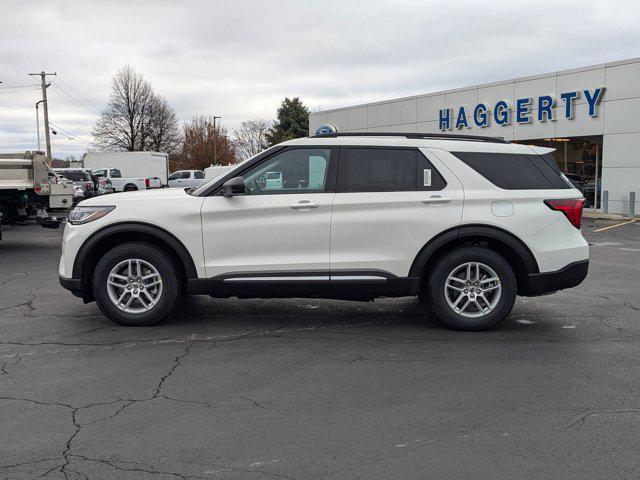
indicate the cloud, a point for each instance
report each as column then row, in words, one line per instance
column 238, row 59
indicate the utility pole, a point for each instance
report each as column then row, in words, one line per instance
column 47, row 135
column 215, row 141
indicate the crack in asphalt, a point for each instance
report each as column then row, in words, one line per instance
column 12, row 278
column 582, row 418
column 75, row 409
column 5, row 365
column 136, row 469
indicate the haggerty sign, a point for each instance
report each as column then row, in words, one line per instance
column 503, row 113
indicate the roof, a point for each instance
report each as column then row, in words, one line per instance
column 447, row 143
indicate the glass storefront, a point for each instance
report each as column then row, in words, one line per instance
column 580, row 158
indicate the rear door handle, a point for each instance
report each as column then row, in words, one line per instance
column 436, row 199
column 304, row 205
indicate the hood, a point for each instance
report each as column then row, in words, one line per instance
column 140, row 195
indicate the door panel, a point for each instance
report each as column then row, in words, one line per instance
column 281, row 224
column 385, row 230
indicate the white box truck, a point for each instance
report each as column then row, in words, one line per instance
column 150, row 167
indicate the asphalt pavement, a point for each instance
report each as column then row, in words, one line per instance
column 319, row 389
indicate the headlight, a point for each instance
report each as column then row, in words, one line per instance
column 82, row 215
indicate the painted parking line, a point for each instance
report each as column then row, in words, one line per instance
column 614, row 226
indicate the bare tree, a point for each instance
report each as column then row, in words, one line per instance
column 250, row 138
column 198, row 149
column 136, row 118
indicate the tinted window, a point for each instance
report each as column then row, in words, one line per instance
column 386, row 170
column 513, row 171
column 115, row 173
column 293, row 171
column 75, row 175
column 198, row 175
column 100, row 173
column 175, row 176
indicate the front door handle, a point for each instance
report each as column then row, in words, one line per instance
column 436, row 199
column 304, row 205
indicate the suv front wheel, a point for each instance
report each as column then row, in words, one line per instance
column 472, row 288
column 136, row 284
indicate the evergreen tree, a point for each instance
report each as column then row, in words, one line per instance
column 292, row 121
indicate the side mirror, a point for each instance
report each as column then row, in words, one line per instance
column 233, row 186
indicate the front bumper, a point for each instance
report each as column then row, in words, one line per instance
column 74, row 285
column 549, row 282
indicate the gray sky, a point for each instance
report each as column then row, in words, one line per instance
column 239, row 59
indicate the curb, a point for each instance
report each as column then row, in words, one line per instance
column 606, row 216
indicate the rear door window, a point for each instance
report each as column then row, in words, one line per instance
column 514, row 171
column 386, row 170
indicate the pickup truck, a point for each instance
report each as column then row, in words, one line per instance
column 186, row 179
column 125, row 184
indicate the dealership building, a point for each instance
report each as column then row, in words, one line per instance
column 590, row 115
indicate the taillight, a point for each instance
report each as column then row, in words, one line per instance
column 571, row 207
column 88, row 186
column 147, row 182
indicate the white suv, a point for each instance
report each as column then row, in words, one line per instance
column 466, row 223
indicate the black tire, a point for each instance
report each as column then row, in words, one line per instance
column 130, row 188
column 456, row 258
column 171, row 285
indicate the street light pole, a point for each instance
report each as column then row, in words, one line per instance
column 215, row 141
column 38, row 123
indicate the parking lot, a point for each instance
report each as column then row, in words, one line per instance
column 307, row 389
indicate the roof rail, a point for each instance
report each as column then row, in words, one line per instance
column 435, row 136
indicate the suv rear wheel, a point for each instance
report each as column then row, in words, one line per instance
column 136, row 284
column 472, row 288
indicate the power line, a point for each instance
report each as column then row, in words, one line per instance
column 68, row 96
column 70, row 135
column 15, row 108
column 21, row 90
column 15, row 86
column 66, row 123
column 78, row 93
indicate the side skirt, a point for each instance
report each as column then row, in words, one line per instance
column 360, row 285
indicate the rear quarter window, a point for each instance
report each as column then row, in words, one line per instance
column 514, row 171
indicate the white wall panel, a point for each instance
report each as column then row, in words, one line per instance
column 623, row 81
column 535, row 88
column 622, row 116
column 581, row 124
column 428, row 107
column 403, row 112
column 379, row 115
column 492, row 94
column 338, row 118
column 622, row 150
column 357, row 118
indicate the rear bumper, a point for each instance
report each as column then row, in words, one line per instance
column 549, row 282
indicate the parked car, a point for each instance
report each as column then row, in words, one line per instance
column 120, row 183
column 82, row 181
column 103, row 185
column 186, row 179
column 466, row 223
